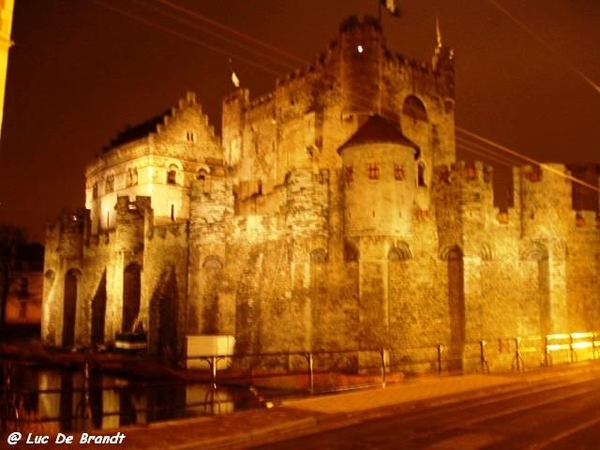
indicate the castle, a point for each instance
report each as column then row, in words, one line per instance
column 330, row 214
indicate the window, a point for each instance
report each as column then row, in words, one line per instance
column 110, row 184
column 95, row 191
column 398, row 172
column 373, row 170
column 421, row 174
column 132, row 177
column 190, row 136
column 535, row 174
column 172, row 174
column 348, row 174
column 202, row 173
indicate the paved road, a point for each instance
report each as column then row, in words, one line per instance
column 554, row 416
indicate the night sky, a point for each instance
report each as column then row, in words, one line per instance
column 79, row 72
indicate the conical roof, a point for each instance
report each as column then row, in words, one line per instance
column 377, row 130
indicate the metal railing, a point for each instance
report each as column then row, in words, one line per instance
column 295, row 372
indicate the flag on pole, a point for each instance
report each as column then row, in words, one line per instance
column 234, row 78
column 391, row 6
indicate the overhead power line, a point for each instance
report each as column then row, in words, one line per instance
column 484, row 147
column 248, row 48
column 529, row 31
column 181, row 35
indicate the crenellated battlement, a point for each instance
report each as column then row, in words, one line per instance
column 332, row 214
column 173, row 232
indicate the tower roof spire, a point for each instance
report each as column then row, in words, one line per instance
column 438, row 32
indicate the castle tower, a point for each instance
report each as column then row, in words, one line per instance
column 362, row 47
column 545, row 222
column 380, row 177
column 234, row 106
column 63, row 314
column 211, row 204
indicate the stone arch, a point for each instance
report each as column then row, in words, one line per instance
column 319, row 256
column 399, row 252
column 50, row 277
column 203, row 172
column 212, row 267
column 456, row 306
column 71, row 292
column 132, row 291
column 534, row 251
column 172, row 174
column 485, row 252
column 212, row 262
column 414, row 108
column 49, row 311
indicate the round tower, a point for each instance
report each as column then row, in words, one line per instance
column 379, row 180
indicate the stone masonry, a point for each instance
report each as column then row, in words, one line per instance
column 331, row 214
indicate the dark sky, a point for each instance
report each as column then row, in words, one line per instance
column 80, row 72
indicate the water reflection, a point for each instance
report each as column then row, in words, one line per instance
column 50, row 401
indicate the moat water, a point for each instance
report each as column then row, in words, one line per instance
column 50, row 400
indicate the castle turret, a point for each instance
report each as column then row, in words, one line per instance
column 380, row 179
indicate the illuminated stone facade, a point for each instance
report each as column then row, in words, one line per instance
column 331, row 215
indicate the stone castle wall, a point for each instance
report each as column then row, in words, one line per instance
column 274, row 244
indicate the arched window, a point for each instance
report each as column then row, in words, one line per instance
column 202, row 174
column 110, row 184
column 414, row 108
column 172, row 174
column 319, row 256
column 421, row 174
column 400, row 252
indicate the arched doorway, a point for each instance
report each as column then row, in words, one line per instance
column 70, row 307
column 131, row 296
